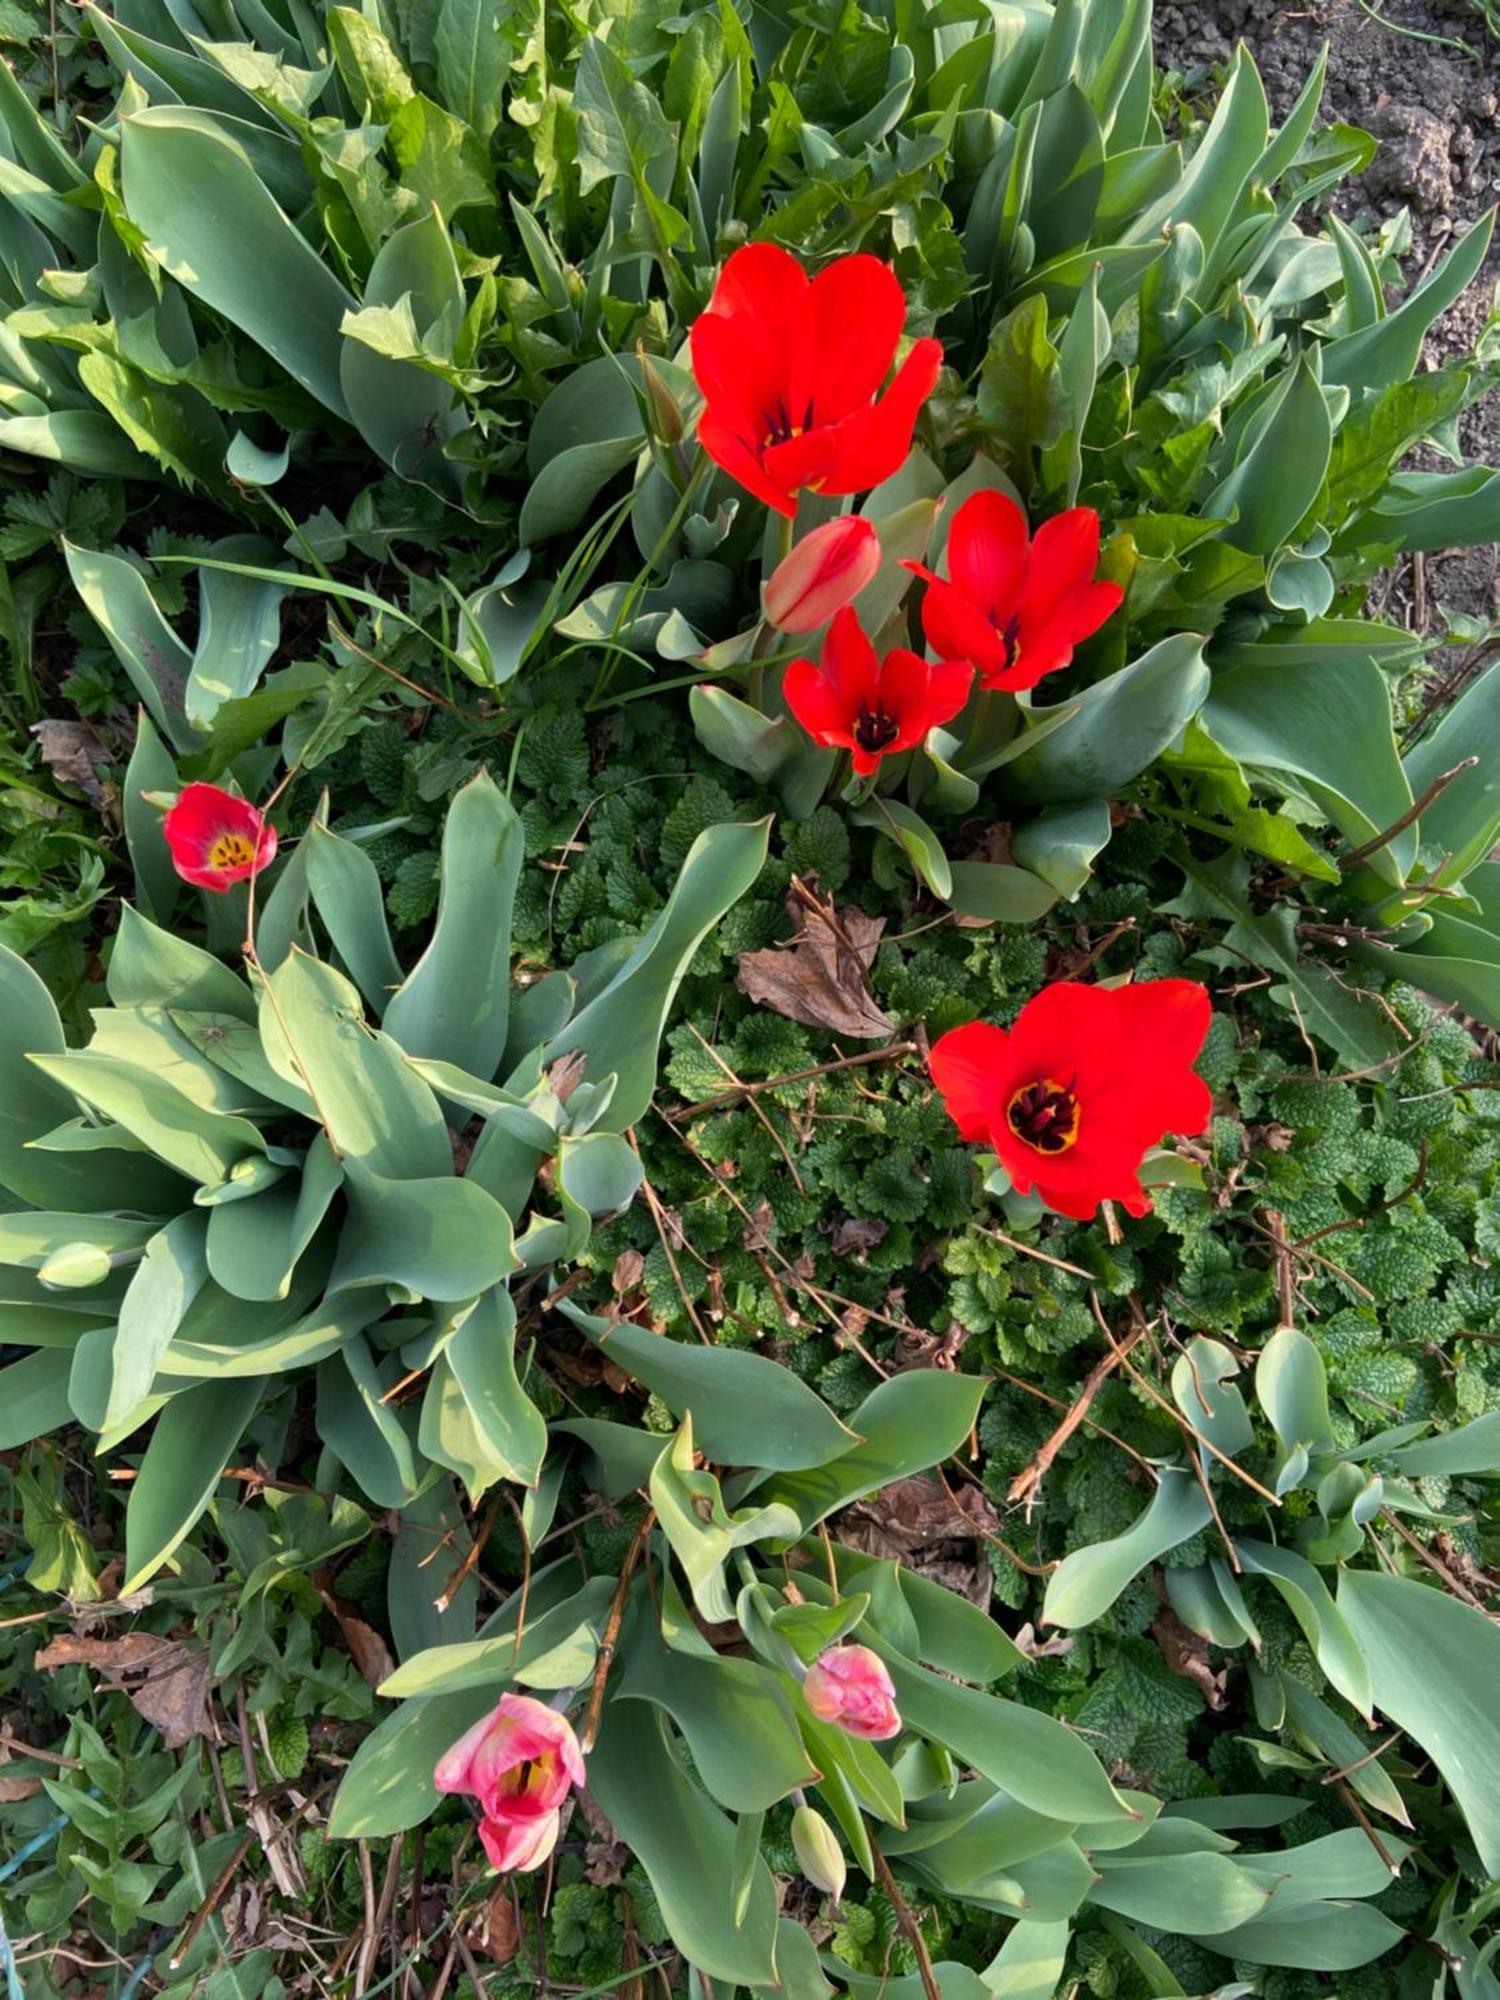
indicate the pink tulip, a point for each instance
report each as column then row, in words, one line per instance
column 825, row 571
column 849, row 1686
column 518, row 1762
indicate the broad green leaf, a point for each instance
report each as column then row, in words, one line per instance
column 348, row 896
column 701, row 1530
column 141, row 639
column 473, row 42
column 254, row 1245
column 151, row 769
column 205, row 1146
column 442, row 1238
column 1280, row 473
column 1472, row 1448
column 1029, row 1965
column 375, row 1108
column 211, row 224
column 907, row 1425
column 914, row 837
column 507, row 1432
column 495, row 1660
column 1463, row 820
column 999, row 894
column 403, row 411
column 738, row 1724
column 194, row 1439
column 686, row 1846
column 1390, row 350
column 1432, row 1665
column 455, row 1004
column 1061, row 845
column 34, row 1396
column 1180, row 1892
column 31, row 1104
column 1291, row 1386
column 1319, row 1937
column 432, row 1534
column 1093, row 745
column 1029, row 1754
column 1022, row 396
column 1318, row 1728
column 1087, row 1581
column 1326, row 736
column 239, row 628
column 618, row 1031
column 163, row 1285
column 1339, row 1652
column 366, row 1434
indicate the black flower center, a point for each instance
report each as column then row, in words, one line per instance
column 1010, row 631
column 875, row 730
column 1045, row 1114
column 780, row 426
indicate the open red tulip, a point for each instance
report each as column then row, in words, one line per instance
column 217, row 839
column 791, row 369
column 519, row 1762
column 853, row 701
column 1077, row 1092
column 1015, row 607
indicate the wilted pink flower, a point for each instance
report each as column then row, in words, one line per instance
column 825, row 571
column 518, row 1762
column 849, row 1685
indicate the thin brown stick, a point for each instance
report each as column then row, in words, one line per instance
column 217, row 1891
column 1286, row 1282
column 911, row 1930
column 776, row 1139
column 1027, row 1483
column 1359, row 1763
column 42, row 1756
column 1030, row 1250
column 1434, row 1563
column 1358, row 1221
column 1090, row 1423
column 658, row 1216
column 988, row 1534
column 1213, row 1507
column 892, row 1052
column 611, row 1634
column 460, row 1576
column 1413, row 813
column 369, row 1946
column 1366, row 1828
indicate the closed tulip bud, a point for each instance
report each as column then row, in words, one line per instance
column 819, row 1855
column 664, row 414
column 824, row 572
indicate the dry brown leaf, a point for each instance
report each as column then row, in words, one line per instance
column 166, row 1679
column 936, row 1532
column 71, row 751
column 496, row 1929
column 1187, row 1654
column 918, row 1348
column 566, row 1074
column 367, row 1649
column 629, row 1269
column 822, row 977
column 14, row 1788
column 1057, row 1647
column 852, row 1235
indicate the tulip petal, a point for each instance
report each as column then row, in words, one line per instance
column 856, row 310
column 987, row 548
column 969, row 1066
column 872, row 444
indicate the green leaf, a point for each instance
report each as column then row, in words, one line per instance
column 194, row 1439
column 346, row 890
column 363, row 1432
column 473, row 59
column 141, row 639
column 1092, row 746
column 151, row 967
column 1029, row 1754
column 1390, row 350
column 1061, row 846
column 496, row 1660
column 686, row 1846
column 1022, row 397
column 619, row 1030
column 1463, row 820
column 906, row 1425
column 34, row 1396
column 1324, row 736
column 171, row 1273
column 1339, row 1652
column 239, row 628
column 1319, row 1937
column 205, row 1146
column 506, row 1431
column 1179, row 1892
column 1432, row 1663
column 1087, row 1581
column 211, row 224
column 1280, row 472
column 914, row 837
column 403, row 411
column 738, row 1724
column 375, row 1108
column 254, row 1245
column 442, row 1238
column 455, row 1004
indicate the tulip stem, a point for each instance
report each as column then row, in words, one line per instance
column 611, row 1634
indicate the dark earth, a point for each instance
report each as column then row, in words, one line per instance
column 1433, row 109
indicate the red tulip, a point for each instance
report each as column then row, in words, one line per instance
column 825, row 571
column 217, row 839
column 1014, row 608
column 849, row 1685
column 852, row 701
column 1088, row 1079
column 791, row 368
column 518, row 1762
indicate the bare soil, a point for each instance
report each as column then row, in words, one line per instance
column 1433, row 109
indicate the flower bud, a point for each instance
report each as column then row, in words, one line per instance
column 849, row 1686
column 664, row 414
column 819, row 1855
column 825, row 571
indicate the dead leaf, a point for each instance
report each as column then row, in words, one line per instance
column 629, row 1269
column 852, row 1235
column 1187, row 1654
column 367, row 1649
column 757, row 1231
column 917, row 1348
column 566, row 1074
column 166, row 1679
column 822, row 978
column 15, row 1788
column 71, row 751
column 1057, row 1647
column 496, row 1929
column 927, row 1527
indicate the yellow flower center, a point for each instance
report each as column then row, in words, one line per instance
column 528, row 1778
column 231, row 850
column 1045, row 1114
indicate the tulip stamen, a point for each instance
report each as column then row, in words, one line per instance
column 1045, row 1114
column 874, row 730
column 230, row 850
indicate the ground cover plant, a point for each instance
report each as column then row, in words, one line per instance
column 746, row 1018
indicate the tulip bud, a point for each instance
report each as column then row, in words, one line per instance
column 825, row 571
column 819, row 1855
column 663, row 414
column 849, row 1686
